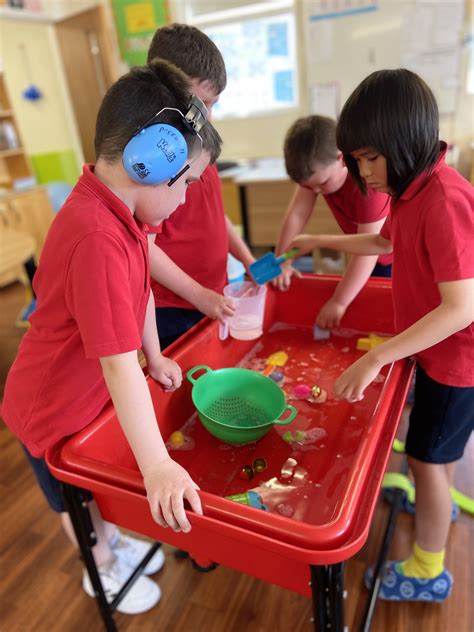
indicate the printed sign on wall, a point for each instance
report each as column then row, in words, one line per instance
column 137, row 21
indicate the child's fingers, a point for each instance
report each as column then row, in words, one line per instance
column 157, row 514
column 179, row 513
column 167, row 507
column 176, row 377
column 193, row 498
column 228, row 310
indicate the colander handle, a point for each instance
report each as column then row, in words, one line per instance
column 293, row 413
column 201, row 367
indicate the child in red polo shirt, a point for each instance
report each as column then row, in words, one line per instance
column 95, row 308
column 388, row 133
column 315, row 163
column 199, row 237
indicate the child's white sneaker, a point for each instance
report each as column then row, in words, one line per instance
column 142, row 596
column 132, row 551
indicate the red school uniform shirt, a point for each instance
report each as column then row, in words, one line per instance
column 431, row 229
column 351, row 207
column 92, row 288
column 195, row 238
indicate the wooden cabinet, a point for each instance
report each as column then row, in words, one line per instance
column 14, row 163
column 267, row 202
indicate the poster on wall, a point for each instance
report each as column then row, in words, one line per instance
column 136, row 22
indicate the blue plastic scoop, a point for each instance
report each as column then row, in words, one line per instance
column 268, row 267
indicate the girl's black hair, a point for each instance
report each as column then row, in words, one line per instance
column 395, row 112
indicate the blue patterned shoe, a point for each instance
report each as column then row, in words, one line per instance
column 410, row 508
column 396, row 587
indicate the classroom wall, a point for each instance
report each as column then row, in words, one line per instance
column 30, row 55
column 345, row 50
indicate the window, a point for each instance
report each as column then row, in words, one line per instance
column 258, row 44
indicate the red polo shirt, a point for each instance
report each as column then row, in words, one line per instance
column 431, row 228
column 351, row 207
column 195, row 238
column 92, row 287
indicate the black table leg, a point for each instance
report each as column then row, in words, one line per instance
column 78, row 510
column 336, row 596
column 327, row 590
column 379, row 569
column 319, row 587
column 76, row 501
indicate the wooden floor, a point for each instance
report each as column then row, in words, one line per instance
column 40, row 576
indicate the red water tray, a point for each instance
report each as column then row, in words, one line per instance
column 320, row 493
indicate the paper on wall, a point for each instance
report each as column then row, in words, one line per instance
column 325, row 99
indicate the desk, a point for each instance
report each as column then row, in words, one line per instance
column 265, row 193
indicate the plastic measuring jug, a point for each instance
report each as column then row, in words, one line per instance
column 247, row 321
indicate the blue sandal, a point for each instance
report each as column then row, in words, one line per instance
column 397, row 587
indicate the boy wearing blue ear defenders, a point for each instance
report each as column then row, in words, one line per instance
column 199, row 237
column 95, row 309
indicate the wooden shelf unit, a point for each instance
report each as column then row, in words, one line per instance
column 14, row 163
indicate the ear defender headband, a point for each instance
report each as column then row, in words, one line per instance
column 158, row 152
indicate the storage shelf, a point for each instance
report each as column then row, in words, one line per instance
column 5, row 153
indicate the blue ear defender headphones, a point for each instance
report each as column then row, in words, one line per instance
column 158, row 152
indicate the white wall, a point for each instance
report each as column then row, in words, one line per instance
column 356, row 46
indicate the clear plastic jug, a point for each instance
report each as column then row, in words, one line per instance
column 247, row 321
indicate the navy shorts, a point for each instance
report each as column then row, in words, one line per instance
column 441, row 420
column 382, row 271
column 173, row 322
column 50, row 486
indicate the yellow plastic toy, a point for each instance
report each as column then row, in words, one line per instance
column 279, row 358
column 176, row 439
column 366, row 344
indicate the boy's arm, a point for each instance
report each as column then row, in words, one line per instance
column 358, row 271
column 161, row 368
column 166, row 272
column 295, row 219
column 166, row 482
column 361, row 244
column 237, row 247
column 454, row 313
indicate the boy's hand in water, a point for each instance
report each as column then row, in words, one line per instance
column 330, row 314
column 214, row 305
column 167, row 485
column 352, row 383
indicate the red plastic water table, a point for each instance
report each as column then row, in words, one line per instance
column 324, row 469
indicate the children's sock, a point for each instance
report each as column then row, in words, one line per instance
column 423, row 564
column 113, row 536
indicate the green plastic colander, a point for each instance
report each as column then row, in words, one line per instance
column 238, row 406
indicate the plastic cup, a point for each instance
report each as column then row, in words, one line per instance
column 247, row 321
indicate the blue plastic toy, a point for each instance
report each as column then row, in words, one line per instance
column 268, row 267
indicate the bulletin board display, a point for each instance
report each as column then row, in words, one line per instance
column 136, row 22
column 347, row 40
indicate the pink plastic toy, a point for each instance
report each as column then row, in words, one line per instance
column 302, row 390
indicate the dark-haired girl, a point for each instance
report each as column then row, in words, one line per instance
column 388, row 133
